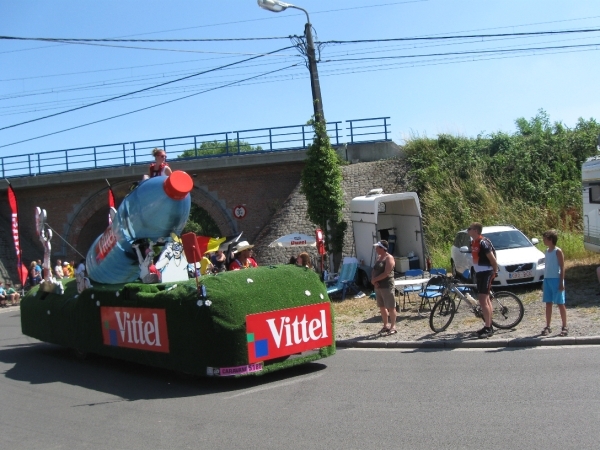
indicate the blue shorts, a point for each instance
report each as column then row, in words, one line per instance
column 551, row 292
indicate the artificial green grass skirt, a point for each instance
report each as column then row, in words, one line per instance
column 179, row 327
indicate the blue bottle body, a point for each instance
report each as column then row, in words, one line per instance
column 147, row 212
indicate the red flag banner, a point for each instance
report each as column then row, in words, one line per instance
column 111, row 203
column 208, row 244
column 12, row 200
column 196, row 246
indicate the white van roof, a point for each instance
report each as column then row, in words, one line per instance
column 590, row 170
column 408, row 204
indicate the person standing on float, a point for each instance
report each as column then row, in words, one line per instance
column 159, row 167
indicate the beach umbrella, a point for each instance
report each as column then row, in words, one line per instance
column 294, row 240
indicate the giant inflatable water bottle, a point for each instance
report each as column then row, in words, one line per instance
column 157, row 207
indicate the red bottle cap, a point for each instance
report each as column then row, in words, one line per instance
column 178, row 185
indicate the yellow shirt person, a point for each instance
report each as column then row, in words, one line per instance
column 68, row 270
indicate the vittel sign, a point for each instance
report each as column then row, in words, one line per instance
column 287, row 331
column 138, row 328
column 105, row 244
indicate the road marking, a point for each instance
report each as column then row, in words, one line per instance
column 276, row 385
column 493, row 349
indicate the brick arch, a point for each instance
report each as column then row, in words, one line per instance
column 216, row 208
column 89, row 217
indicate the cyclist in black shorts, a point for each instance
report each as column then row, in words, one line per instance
column 486, row 267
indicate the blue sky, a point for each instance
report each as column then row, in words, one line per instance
column 427, row 95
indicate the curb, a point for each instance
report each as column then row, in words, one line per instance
column 475, row 343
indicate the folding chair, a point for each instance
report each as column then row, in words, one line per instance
column 436, row 272
column 465, row 289
column 345, row 280
column 433, row 291
column 440, row 271
column 407, row 290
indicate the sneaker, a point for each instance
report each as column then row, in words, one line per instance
column 480, row 332
column 487, row 332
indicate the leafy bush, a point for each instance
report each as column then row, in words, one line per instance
column 531, row 178
column 322, row 186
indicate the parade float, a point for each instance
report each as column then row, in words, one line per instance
column 231, row 324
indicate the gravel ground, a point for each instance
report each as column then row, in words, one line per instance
column 359, row 319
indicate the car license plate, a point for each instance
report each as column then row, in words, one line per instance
column 523, row 274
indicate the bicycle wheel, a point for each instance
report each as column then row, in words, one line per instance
column 442, row 314
column 508, row 310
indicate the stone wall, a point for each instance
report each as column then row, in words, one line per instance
column 358, row 179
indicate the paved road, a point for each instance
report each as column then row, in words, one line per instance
column 546, row 398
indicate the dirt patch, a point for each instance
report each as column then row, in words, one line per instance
column 359, row 318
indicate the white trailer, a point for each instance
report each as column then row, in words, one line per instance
column 590, row 176
column 394, row 217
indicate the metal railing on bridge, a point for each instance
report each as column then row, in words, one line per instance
column 213, row 145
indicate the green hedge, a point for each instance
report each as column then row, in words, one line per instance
column 200, row 336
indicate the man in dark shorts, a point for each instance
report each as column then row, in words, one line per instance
column 486, row 267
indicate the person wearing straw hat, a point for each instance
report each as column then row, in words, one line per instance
column 242, row 258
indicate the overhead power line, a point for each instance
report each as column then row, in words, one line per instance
column 355, row 41
column 17, row 38
column 464, row 36
column 142, row 90
column 474, row 52
column 149, row 107
column 326, row 73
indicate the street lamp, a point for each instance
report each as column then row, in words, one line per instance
column 278, row 6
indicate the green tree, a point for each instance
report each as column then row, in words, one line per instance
column 219, row 148
column 201, row 223
column 322, row 187
column 530, row 178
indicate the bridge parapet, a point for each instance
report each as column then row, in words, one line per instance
column 261, row 141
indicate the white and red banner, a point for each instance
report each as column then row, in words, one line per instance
column 12, row 200
column 111, row 204
column 139, row 328
column 287, row 331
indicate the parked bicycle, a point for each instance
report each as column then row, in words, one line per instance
column 507, row 312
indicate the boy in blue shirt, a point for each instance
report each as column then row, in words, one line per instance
column 554, row 282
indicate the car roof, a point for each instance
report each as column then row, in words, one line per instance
column 497, row 228
column 494, row 229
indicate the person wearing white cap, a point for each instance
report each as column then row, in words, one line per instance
column 242, row 258
column 382, row 278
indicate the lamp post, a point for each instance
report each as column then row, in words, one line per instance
column 325, row 188
column 278, row 6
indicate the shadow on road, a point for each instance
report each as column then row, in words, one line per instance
column 41, row 363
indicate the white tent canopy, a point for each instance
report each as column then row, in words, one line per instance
column 295, row 240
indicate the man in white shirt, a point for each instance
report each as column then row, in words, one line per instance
column 58, row 270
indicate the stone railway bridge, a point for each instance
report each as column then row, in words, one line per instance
column 267, row 185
